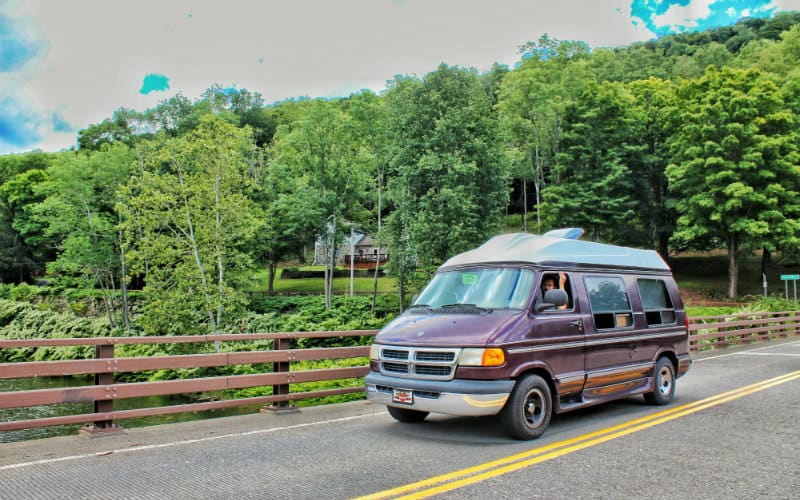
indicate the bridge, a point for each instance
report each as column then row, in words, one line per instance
column 731, row 432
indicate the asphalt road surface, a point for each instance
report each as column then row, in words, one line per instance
column 732, row 431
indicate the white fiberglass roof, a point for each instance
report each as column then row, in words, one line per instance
column 548, row 250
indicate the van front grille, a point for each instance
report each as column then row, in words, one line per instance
column 415, row 362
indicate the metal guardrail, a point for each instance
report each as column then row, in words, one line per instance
column 705, row 332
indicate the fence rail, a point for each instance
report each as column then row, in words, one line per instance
column 705, row 332
column 105, row 365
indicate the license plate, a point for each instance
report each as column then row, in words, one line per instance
column 403, row 396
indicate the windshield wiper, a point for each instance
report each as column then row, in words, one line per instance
column 466, row 306
column 420, row 306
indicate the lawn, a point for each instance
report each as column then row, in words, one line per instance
column 700, row 275
column 317, row 285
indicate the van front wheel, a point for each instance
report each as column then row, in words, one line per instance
column 663, row 383
column 406, row 415
column 529, row 408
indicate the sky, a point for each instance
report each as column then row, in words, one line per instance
column 65, row 64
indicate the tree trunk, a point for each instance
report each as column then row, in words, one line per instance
column 733, row 265
column 524, row 206
column 766, row 260
column 123, row 284
column 273, row 268
column 663, row 245
column 378, row 257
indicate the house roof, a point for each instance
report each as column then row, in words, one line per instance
column 552, row 250
column 366, row 241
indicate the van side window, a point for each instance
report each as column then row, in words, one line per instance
column 658, row 309
column 609, row 302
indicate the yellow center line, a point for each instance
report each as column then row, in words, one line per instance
column 511, row 463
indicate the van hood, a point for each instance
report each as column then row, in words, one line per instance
column 445, row 330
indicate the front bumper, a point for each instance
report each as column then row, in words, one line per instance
column 470, row 398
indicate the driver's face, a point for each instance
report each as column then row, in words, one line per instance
column 549, row 285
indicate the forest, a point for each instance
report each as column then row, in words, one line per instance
column 686, row 142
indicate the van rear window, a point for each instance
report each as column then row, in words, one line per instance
column 609, row 302
column 658, row 309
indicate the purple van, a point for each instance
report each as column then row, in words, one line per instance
column 484, row 337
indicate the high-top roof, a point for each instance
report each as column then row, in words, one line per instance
column 550, row 250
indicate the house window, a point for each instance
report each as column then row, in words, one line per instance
column 658, row 309
column 609, row 302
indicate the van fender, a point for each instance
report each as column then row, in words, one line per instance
column 669, row 354
column 536, row 366
column 543, row 370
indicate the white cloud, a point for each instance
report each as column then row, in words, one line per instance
column 101, row 50
column 680, row 17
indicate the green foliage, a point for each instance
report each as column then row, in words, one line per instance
column 189, row 224
column 20, row 320
column 735, row 165
column 308, row 314
column 449, row 176
column 595, row 188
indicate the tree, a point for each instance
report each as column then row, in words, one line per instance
column 371, row 124
column 593, row 186
column 80, row 212
column 24, row 248
column 322, row 151
column 531, row 110
column 449, row 179
column 653, row 122
column 734, row 167
column 190, row 224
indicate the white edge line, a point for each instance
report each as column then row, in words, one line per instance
column 745, row 352
column 178, row 443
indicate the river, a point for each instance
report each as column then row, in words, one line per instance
column 22, row 384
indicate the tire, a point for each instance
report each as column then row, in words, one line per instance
column 663, row 383
column 529, row 408
column 406, row 415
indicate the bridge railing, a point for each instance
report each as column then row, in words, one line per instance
column 705, row 332
column 719, row 332
column 105, row 391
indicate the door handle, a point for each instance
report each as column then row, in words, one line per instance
column 577, row 323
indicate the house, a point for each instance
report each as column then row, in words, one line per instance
column 361, row 246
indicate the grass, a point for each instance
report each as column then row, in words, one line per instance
column 703, row 276
column 317, row 285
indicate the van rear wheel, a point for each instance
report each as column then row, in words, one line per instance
column 527, row 412
column 406, row 415
column 663, row 383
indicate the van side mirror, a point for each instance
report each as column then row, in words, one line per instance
column 552, row 298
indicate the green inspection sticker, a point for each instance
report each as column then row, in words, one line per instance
column 469, row 279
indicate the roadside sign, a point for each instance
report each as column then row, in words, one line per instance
column 786, row 279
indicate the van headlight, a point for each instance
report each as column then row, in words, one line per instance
column 375, row 352
column 491, row 356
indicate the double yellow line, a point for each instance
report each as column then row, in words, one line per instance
column 471, row 475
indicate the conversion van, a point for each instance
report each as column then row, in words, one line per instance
column 484, row 338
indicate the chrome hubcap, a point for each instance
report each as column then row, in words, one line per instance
column 665, row 380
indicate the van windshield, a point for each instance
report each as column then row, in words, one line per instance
column 479, row 288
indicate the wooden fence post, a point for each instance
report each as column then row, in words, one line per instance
column 281, row 389
column 104, row 351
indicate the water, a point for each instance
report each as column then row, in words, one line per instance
column 62, row 409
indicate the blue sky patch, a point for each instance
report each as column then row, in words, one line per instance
column 60, row 124
column 154, row 83
column 19, row 43
column 719, row 13
column 18, row 126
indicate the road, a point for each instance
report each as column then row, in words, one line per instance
column 733, row 431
